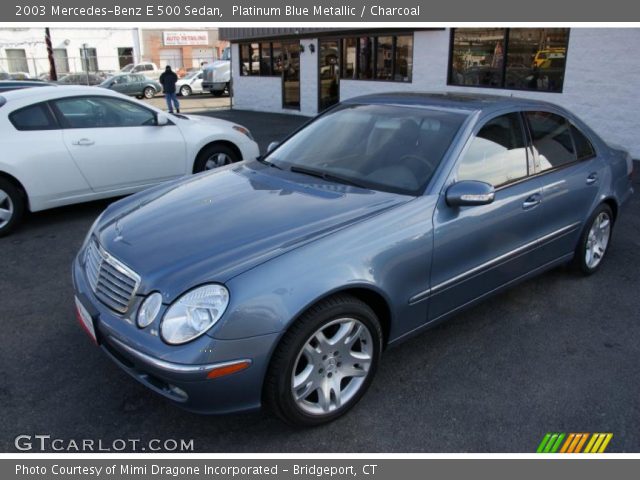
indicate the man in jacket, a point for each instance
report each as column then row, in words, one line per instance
column 168, row 80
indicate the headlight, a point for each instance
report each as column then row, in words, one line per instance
column 243, row 130
column 149, row 309
column 194, row 313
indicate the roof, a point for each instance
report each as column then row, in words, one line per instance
column 244, row 34
column 44, row 93
column 461, row 101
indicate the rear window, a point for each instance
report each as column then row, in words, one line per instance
column 584, row 148
column 33, row 117
column 551, row 140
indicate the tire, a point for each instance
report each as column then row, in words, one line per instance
column 594, row 241
column 12, row 206
column 185, row 90
column 214, row 156
column 305, row 378
column 149, row 92
column 217, row 93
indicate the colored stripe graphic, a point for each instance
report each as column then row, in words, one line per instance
column 574, row 443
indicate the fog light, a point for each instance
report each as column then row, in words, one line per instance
column 149, row 310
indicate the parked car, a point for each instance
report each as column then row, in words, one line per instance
column 133, row 84
column 20, row 76
column 189, row 84
column 65, row 145
column 7, row 85
column 80, row 79
column 281, row 281
column 148, row 69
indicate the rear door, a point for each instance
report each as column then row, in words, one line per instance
column 480, row 248
column 117, row 144
column 570, row 173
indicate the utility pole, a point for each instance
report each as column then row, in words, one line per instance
column 53, row 75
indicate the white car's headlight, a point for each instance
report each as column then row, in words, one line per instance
column 194, row 313
column 149, row 309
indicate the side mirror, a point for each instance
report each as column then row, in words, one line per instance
column 161, row 119
column 272, row 146
column 470, row 192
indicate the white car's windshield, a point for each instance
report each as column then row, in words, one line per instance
column 382, row 147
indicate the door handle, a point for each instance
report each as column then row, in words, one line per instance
column 592, row 178
column 532, row 201
column 83, row 142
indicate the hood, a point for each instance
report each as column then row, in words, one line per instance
column 212, row 227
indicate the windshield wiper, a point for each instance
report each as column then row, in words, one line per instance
column 268, row 163
column 326, row 176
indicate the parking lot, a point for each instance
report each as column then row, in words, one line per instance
column 193, row 103
column 559, row 353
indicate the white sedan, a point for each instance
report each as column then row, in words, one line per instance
column 64, row 145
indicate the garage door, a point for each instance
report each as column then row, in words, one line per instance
column 201, row 55
column 171, row 56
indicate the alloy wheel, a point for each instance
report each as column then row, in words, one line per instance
column 332, row 366
column 6, row 208
column 217, row 160
column 598, row 239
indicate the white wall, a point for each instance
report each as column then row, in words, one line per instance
column 265, row 93
column 106, row 41
column 602, row 80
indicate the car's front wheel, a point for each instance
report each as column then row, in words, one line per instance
column 214, row 156
column 325, row 362
column 149, row 92
column 595, row 240
column 12, row 206
column 185, row 90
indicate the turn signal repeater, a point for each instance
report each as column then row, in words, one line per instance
column 228, row 369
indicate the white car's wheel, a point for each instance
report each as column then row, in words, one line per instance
column 12, row 206
column 214, row 156
column 185, row 90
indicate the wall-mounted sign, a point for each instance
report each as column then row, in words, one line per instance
column 185, row 38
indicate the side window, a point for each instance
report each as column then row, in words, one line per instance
column 33, row 117
column 148, row 67
column 551, row 140
column 584, row 149
column 99, row 112
column 498, row 154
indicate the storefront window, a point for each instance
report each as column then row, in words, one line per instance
column 349, row 56
column 384, row 58
column 517, row 58
column 276, row 52
column 365, row 58
column 403, row 58
column 245, row 55
column 265, row 58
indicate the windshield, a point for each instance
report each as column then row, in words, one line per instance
column 127, row 68
column 381, row 147
column 226, row 54
column 190, row 75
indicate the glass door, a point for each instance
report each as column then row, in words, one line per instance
column 329, row 74
column 291, row 75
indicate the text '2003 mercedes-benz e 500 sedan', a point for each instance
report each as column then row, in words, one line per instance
column 280, row 281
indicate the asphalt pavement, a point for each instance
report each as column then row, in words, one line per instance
column 560, row 353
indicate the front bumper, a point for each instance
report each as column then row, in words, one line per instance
column 179, row 373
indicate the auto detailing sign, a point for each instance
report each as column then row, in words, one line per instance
column 185, row 38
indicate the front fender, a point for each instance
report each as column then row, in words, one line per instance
column 389, row 254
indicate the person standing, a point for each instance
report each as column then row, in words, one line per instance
column 168, row 80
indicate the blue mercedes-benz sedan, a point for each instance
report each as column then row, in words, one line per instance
column 280, row 281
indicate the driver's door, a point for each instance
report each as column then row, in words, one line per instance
column 117, row 144
column 480, row 248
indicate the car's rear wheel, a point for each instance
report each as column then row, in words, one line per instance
column 324, row 363
column 149, row 92
column 12, row 206
column 595, row 240
column 185, row 90
column 214, row 156
column 217, row 93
